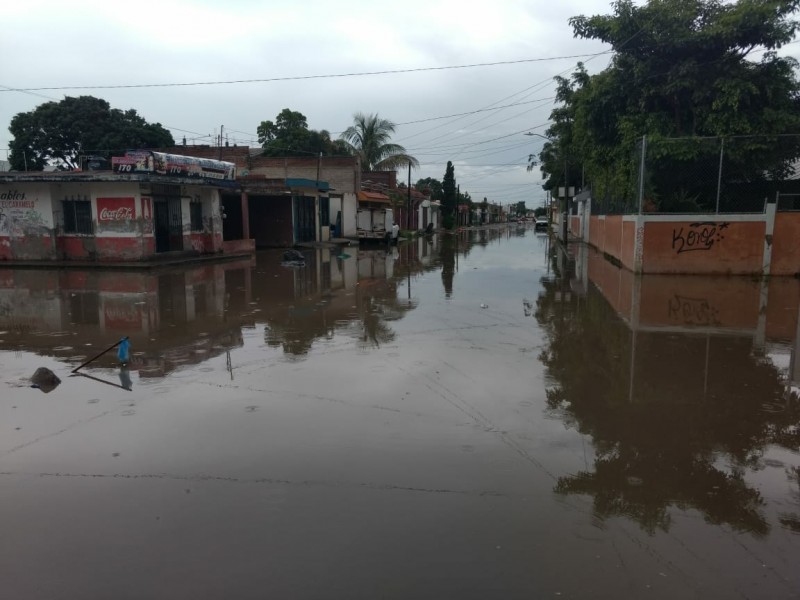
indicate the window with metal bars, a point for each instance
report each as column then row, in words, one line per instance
column 77, row 216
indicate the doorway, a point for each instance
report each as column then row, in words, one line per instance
column 167, row 217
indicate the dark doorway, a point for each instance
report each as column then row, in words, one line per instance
column 232, row 226
column 304, row 219
column 167, row 217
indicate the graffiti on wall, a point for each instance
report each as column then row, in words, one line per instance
column 692, row 311
column 697, row 236
column 19, row 214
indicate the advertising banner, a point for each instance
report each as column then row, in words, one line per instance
column 116, row 209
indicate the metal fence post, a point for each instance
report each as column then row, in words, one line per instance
column 641, row 173
column 719, row 174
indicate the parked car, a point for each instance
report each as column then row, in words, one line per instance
column 541, row 224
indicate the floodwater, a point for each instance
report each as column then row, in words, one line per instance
column 470, row 416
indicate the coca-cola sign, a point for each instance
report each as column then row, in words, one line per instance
column 116, row 209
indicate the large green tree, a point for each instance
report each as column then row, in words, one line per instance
column 59, row 133
column 432, row 185
column 289, row 135
column 369, row 138
column 681, row 68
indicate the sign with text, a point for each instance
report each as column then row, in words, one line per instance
column 161, row 163
column 116, row 209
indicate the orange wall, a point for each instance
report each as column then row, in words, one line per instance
column 615, row 284
column 628, row 243
column 703, row 248
column 596, row 228
column 677, row 300
column 575, row 226
column 783, row 301
column 613, row 235
column 785, row 249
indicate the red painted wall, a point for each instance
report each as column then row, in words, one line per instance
column 104, row 248
column 28, row 247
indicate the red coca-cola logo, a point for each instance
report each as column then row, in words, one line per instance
column 116, row 214
column 116, row 209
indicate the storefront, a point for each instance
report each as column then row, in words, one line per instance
column 135, row 213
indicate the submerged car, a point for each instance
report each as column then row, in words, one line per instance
column 541, row 224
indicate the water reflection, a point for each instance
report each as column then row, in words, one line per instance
column 187, row 315
column 675, row 380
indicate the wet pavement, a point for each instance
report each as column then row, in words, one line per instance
column 467, row 416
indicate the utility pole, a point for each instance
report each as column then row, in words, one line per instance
column 408, row 216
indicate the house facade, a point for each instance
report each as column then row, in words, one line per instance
column 127, row 215
column 282, row 201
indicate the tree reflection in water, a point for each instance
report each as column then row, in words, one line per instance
column 677, row 420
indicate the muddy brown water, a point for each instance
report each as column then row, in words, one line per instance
column 471, row 416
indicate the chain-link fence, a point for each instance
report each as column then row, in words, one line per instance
column 615, row 189
column 718, row 175
column 738, row 174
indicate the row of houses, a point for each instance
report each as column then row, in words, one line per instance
column 194, row 200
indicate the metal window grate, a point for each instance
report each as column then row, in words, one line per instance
column 77, row 216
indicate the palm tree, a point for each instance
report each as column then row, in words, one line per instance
column 368, row 138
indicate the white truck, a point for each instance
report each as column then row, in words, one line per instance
column 374, row 223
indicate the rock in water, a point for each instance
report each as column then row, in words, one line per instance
column 292, row 255
column 45, row 380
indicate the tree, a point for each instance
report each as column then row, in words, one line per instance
column 59, row 133
column 369, row 138
column 289, row 135
column 449, row 197
column 520, row 208
column 434, row 186
column 681, row 68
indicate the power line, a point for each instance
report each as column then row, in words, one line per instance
column 300, row 77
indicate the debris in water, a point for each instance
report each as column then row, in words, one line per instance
column 484, row 306
column 293, row 258
column 45, row 380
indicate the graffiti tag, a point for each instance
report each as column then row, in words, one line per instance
column 698, row 236
column 692, row 311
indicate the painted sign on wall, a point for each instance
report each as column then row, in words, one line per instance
column 147, row 208
column 116, row 209
column 146, row 161
column 19, row 213
column 122, row 315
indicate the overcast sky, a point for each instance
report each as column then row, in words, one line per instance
column 112, row 43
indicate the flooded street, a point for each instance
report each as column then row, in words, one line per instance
column 465, row 416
